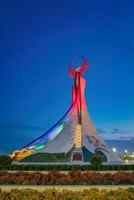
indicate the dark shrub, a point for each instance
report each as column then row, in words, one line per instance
column 96, row 162
column 5, row 161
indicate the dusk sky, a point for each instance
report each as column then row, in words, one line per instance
column 37, row 41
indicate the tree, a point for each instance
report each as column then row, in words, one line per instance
column 5, row 161
column 96, row 161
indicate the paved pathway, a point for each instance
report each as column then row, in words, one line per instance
column 61, row 187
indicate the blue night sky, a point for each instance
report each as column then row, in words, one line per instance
column 37, row 41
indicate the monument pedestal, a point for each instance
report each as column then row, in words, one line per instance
column 77, row 155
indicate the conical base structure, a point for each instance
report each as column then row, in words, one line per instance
column 74, row 132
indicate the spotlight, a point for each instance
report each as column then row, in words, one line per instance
column 125, row 150
column 114, row 149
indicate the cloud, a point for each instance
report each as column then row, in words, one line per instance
column 14, row 126
column 121, row 145
column 100, row 130
column 120, row 131
column 115, row 134
column 16, row 135
column 125, row 138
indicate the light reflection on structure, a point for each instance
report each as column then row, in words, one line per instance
column 128, row 157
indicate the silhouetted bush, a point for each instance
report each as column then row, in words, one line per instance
column 65, row 167
column 5, row 161
column 48, row 157
column 96, row 162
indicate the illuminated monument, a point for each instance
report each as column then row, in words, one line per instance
column 73, row 133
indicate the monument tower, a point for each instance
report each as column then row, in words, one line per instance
column 74, row 132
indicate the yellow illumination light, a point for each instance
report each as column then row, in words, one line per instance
column 78, row 136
